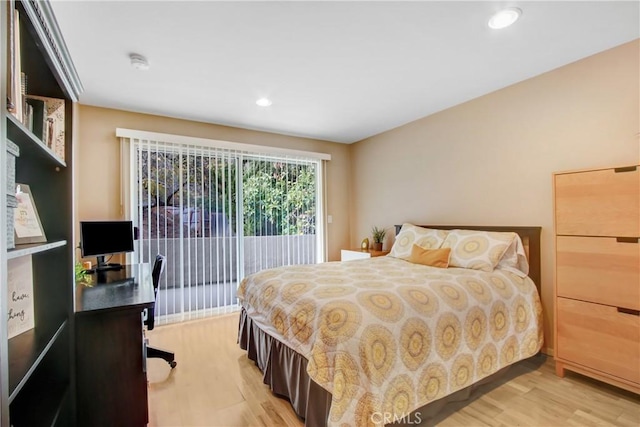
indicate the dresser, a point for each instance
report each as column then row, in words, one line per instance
column 597, row 274
column 351, row 254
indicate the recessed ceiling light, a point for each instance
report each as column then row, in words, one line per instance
column 264, row 102
column 139, row 62
column 504, row 18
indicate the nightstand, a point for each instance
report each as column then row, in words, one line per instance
column 351, row 254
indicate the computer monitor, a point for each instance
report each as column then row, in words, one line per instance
column 100, row 238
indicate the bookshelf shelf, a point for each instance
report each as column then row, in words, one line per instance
column 19, row 134
column 26, row 351
column 33, row 248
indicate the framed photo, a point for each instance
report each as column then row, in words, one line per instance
column 27, row 225
column 20, row 296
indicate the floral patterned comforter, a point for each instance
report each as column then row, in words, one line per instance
column 385, row 336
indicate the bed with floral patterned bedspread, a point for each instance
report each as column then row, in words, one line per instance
column 387, row 336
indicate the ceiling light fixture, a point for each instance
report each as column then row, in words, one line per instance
column 139, row 62
column 504, row 18
column 264, row 102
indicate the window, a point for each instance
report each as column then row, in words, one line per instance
column 219, row 211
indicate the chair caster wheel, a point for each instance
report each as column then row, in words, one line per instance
column 173, row 364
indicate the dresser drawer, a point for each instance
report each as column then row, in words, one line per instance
column 598, row 203
column 599, row 337
column 603, row 270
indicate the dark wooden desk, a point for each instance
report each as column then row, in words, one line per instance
column 111, row 379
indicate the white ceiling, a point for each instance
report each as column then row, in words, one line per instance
column 338, row 71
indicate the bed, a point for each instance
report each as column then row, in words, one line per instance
column 389, row 339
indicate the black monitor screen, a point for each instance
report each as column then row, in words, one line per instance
column 106, row 237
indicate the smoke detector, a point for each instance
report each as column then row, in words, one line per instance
column 139, row 62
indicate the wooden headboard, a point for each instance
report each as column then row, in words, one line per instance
column 530, row 239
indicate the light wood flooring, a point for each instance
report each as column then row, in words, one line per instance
column 215, row 384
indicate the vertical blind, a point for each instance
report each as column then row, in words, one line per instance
column 218, row 214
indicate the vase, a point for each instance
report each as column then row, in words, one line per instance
column 376, row 246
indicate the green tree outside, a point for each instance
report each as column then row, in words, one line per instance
column 279, row 198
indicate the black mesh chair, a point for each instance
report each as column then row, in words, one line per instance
column 158, row 268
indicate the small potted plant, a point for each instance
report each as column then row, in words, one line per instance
column 81, row 275
column 378, row 238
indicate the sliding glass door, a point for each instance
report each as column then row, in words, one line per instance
column 279, row 204
column 218, row 215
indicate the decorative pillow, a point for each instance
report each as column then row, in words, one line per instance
column 409, row 234
column 515, row 258
column 477, row 250
column 431, row 257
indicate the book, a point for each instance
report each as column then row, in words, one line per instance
column 23, row 94
column 28, row 116
column 16, row 86
column 38, row 117
column 49, row 131
column 11, row 96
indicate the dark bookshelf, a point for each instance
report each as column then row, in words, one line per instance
column 38, row 373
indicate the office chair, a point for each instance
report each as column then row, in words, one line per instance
column 158, row 268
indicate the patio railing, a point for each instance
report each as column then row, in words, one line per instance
column 201, row 272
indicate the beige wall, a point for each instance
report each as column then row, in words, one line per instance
column 489, row 161
column 97, row 162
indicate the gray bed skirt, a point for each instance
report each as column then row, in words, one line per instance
column 285, row 372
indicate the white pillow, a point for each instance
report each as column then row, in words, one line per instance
column 410, row 234
column 477, row 250
column 515, row 259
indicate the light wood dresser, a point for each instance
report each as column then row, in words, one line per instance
column 597, row 283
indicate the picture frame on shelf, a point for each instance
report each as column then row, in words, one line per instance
column 27, row 225
column 19, row 296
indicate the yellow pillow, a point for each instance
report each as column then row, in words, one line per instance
column 430, row 257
